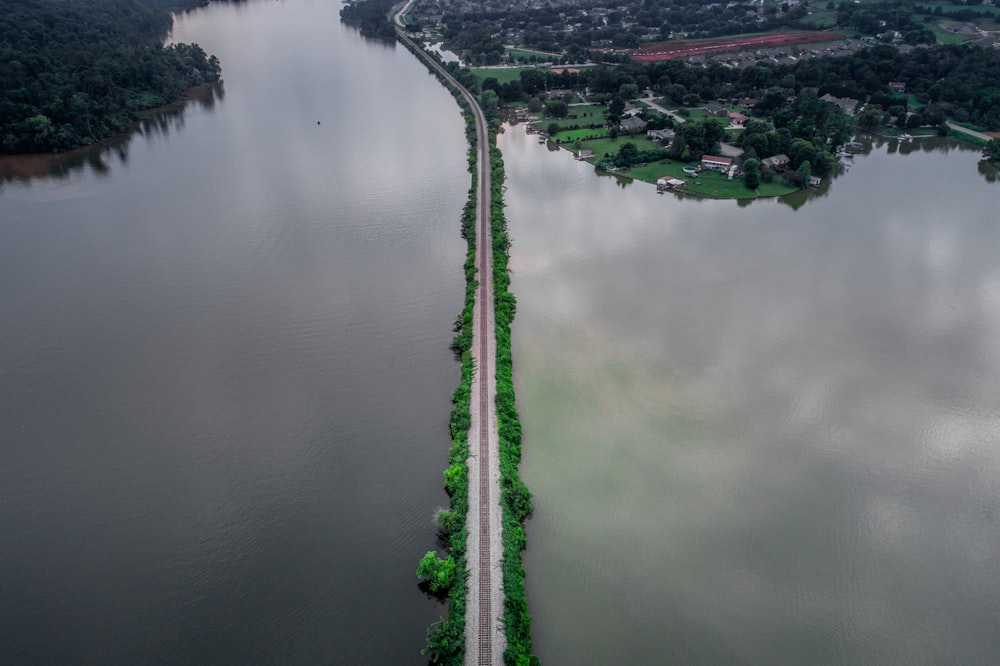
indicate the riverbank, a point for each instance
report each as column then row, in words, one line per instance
column 62, row 91
column 39, row 165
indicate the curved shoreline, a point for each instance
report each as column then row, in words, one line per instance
column 25, row 166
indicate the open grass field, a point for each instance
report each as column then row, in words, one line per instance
column 527, row 53
column 569, row 136
column 578, row 115
column 501, row 74
column 968, row 138
column 825, row 18
column 946, row 36
column 611, row 146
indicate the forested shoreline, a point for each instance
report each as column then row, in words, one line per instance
column 78, row 71
column 370, row 17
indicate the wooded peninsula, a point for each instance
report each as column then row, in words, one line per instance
column 77, row 71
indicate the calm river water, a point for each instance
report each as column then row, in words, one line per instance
column 760, row 435
column 226, row 377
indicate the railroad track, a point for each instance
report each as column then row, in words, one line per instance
column 484, row 248
column 482, row 652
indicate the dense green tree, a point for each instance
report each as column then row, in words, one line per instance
column 870, row 118
column 371, row 17
column 557, row 108
column 436, row 571
column 805, row 172
column 628, row 152
column 675, row 92
column 615, row 109
column 490, row 103
column 72, row 73
column 751, row 173
column 801, row 151
column 991, row 151
column 532, row 81
column 628, row 91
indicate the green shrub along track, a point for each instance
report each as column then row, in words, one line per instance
column 488, row 621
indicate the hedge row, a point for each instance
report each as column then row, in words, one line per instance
column 516, row 497
column 448, row 577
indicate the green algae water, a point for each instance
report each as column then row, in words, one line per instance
column 760, row 434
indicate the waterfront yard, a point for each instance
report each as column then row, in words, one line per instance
column 585, row 134
column 706, row 183
column 611, row 146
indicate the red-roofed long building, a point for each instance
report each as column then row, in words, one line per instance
column 716, row 163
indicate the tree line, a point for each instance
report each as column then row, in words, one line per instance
column 370, row 17
column 956, row 81
column 76, row 71
column 479, row 31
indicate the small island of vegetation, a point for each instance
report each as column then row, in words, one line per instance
column 77, row 71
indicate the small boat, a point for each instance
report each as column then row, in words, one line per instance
column 906, row 137
column 541, row 138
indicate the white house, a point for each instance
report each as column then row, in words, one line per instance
column 667, row 183
column 716, row 163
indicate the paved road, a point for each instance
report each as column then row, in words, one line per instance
column 652, row 102
column 485, row 640
column 966, row 130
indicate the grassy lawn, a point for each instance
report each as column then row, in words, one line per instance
column 588, row 111
column 968, row 138
column 945, row 36
column 527, row 53
column 712, row 184
column 580, row 115
column 824, row 18
column 971, row 126
column 611, row 146
column 895, row 131
column 910, row 100
column 503, row 75
column 569, row 136
column 696, row 114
